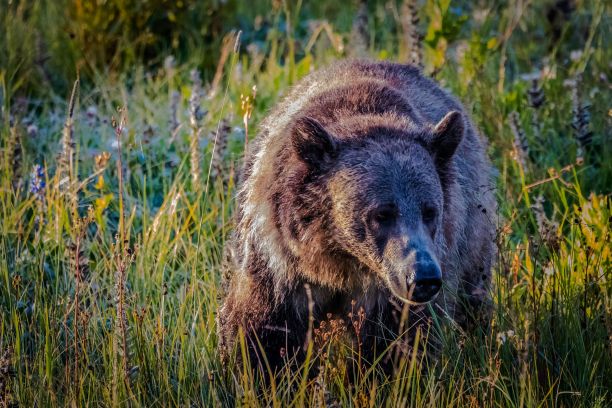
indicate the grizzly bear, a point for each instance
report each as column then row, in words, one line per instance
column 366, row 188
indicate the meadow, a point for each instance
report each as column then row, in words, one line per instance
column 122, row 129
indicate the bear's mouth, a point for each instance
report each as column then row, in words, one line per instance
column 411, row 302
column 424, row 290
column 416, row 293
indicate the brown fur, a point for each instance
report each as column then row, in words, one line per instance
column 302, row 213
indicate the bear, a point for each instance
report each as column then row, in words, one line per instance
column 366, row 188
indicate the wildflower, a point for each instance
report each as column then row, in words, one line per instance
column 25, row 257
column 169, row 63
column 37, row 181
column 124, row 257
column 15, row 155
column 521, row 147
column 581, row 119
column 37, row 188
column 195, row 108
column 32, row 130
column 175, row 100
column 575, row 55
column 549, row 71
column 92, row 112
column 412, row 38
column 530, row 76
column 219, row 150
column 148, row 133
column 175, row 96
column 253, row 50
column 196, row 114
column 246, row 105
column 480, row 15
column 536, row 100
column 549, row 269
column 546, row 227
column 538, row 209
column 91, row 116
column 503, row 337
column 536, row 95
column 101, row 160
column 66, row 161
column 6, row 374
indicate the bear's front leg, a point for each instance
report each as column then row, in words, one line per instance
column 271, row 330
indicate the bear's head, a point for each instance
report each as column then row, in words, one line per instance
column 366, row 191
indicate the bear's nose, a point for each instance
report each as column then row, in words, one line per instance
column 426, row 284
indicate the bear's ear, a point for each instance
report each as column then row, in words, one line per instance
column 447, row 135
column 313, row 144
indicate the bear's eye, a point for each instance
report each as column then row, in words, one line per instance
column 429, row 214
column 385, row 215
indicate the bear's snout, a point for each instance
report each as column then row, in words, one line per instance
column 427, row 282
column 416, row 277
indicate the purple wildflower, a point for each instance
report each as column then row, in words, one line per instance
column 37, row 181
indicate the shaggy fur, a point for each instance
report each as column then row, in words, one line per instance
column 362, row 169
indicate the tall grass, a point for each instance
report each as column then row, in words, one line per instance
column 108, row 295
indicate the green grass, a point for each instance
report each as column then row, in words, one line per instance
column 64, row 250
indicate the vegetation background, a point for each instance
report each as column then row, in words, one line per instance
column 123, row 124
